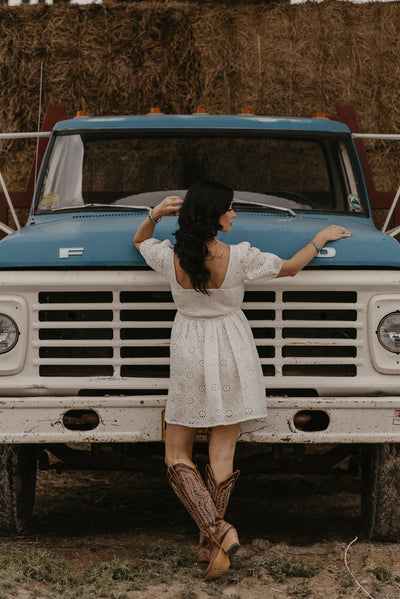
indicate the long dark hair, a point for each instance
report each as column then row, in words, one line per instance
column 204, row 203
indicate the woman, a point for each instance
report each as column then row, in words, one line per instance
column 216, row 379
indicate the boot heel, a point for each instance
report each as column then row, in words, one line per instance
column 230, row 543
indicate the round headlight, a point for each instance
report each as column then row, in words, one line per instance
column 389, row 332
column 9, row 333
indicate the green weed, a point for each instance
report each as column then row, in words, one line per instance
column 111, row 571
column 300, row 591
column 177, row 557
column 376, row 589
column 188, row 592
column 345, row 581
column 381, row 573
column 166, row 563
column 33, row 564
column 281, row 568
column 23, row 566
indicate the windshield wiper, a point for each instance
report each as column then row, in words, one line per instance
column 103, row 206
column 249, row 203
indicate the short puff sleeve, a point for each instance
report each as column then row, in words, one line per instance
column 156, row 254
column 257, row 264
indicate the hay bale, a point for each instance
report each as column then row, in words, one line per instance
column 276, row 58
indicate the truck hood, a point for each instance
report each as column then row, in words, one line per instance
column 104, row 239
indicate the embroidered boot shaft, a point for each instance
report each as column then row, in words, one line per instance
column 188, row 485
column 220, row 494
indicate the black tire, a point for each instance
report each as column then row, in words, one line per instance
column 380, row 503
column 18, row 466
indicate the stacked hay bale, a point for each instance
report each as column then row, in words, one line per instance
column 277, row 58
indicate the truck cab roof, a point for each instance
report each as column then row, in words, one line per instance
column 202, row 121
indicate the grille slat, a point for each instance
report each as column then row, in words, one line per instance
column 75, row 315
column 325, row 297
column 126, row 334
column 75, row 352
column 82, row 370
column 75, row 297
column 324, row 315
column 323, row 370
column 319, row 351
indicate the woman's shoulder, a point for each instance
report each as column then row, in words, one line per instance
column 154, row 242
column 242, row 248
column 157, row 247
column 157, row 253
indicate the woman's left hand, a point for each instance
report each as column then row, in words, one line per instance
column 333, row 233
column 170, row 206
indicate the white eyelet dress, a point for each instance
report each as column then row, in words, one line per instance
column 215, row 376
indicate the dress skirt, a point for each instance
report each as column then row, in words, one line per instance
column 216, row 376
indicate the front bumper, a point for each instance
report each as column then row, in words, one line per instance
column 140, row 419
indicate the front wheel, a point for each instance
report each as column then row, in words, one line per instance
column 18, row 466
column 380, row 503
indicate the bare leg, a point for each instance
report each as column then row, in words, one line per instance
column 179, row 445
column 221, row 450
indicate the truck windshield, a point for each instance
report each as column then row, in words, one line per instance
column 112, row 171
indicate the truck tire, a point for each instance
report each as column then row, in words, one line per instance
column 380, row 505
column 18, row 465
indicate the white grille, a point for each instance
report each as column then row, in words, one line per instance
column 126, row 334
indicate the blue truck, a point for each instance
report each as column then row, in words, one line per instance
column 85, row 324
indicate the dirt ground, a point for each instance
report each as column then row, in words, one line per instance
column 294, row 532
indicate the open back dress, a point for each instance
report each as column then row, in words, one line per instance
column 215, row 376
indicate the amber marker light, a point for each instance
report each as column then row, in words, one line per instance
column 81, row 113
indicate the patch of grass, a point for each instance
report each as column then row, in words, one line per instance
column 18, row 565
column 177, row 557
column 105, row 576
column 166, row 563
column 345, row 581
column 281, row 568
column 21, row 567
column 113, row 570
column 381, row 573
column 300, row 591
column 376, row 589
column 188, row 592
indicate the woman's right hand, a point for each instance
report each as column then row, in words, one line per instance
column 170, row 206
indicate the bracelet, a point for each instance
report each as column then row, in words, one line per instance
column 317, row 247
column 153, row 220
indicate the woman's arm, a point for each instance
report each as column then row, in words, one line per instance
column 170, row 206
column 304, row 256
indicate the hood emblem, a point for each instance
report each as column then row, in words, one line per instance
column 67, row 252
column 327, row 253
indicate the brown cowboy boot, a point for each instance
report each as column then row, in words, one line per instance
column 221, row 536
column 220, row 494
